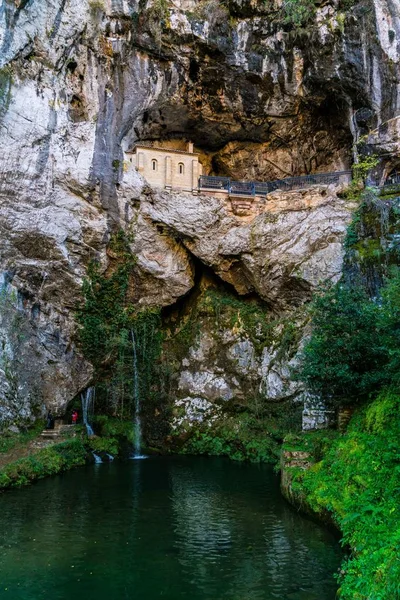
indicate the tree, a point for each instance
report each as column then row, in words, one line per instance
column 346, row 357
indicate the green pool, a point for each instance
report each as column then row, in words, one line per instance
column 168, row 528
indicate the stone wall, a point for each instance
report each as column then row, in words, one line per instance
column 168, row 169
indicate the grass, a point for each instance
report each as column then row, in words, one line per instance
column 356, row 479
column 48, row 461
column 10, row 441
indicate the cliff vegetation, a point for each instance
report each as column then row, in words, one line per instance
column 351, row 361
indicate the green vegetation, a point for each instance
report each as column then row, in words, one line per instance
column 242, row 444
column 344, row 360
column 363, row 167
column 356, row 479
column 9, row 441
column 361, row 170
column 23, row 463
column 96, row 6
column 353, row 356
column 254, row 434
column 160, row 10
column 103, row 315
column 110, row 327
column 49, row 461
column 298, row 13
column 5, row 89
column 104, row 444
column 353, row 350
column 226, row 311
column 113, row 428
column 372, row 241
column 112, row 434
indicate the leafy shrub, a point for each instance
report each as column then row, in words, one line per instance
column 298, row 12
column 102, row 315
column 104, row 444
column 344, row 360
column 379, row 414
column 240, row 437
column 111, row 427
column 114, row 334
column 225, row 442
column 354, row 349
column 358, row 481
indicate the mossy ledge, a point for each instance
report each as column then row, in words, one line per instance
column 47, row 461
column 23, row 463
column 351, row 480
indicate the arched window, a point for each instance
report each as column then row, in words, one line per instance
column 154, row 164
column 181, row 168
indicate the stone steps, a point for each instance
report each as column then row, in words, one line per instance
column 58, row 432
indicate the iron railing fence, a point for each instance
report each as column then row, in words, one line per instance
column 258, row 188
column 207, row 182
column 392, row 181
column 242, row 188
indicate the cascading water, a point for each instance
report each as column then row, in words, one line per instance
column 87, row 398
column 137, row 427
column 97, row 458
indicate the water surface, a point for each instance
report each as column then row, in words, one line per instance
column 168, row 528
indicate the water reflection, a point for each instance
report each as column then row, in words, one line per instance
column 204, row 529
column 231, row 526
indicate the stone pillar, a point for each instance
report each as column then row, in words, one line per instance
column 140, row 161
column 168, row 172
column 195, row 176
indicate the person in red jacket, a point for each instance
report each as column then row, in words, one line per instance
column 74, row 417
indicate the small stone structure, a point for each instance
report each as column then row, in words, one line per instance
column 167, row 168
column 315, row 414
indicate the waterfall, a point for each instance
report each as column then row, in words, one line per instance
column 87, row 398
column 137, row 427
column 97, row 458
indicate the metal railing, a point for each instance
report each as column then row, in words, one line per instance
column 242, row 188
column 214, row 183
column 392, row 181
column 258, row 188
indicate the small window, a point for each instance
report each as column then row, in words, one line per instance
column 181, row 168
column 154, row 164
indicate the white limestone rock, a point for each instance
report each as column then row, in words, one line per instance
column 190, row 411
column 205, row 383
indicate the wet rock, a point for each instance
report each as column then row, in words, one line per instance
column 79, row 85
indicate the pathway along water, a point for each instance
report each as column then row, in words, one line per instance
column 170, row 528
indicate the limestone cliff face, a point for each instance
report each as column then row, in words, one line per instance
column 80, row 82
